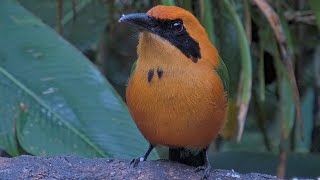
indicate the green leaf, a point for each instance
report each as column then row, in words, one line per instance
column 82, row 29
column 66, row 106
column 168, row 2
column 187, row 4
column 286, row 113
column 244, row 52
column 307, row 108
column 206, row 18
column 261, row 76
column 8, row 114
column 246, row 67
column 227, row 44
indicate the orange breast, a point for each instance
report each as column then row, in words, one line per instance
column 184, row 108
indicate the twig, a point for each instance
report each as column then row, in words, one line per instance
column 242, row 105
column 281, row 169
column 306, row 17
column 71, row 15
column 286, row 57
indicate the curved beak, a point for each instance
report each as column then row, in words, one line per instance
column 140, row 20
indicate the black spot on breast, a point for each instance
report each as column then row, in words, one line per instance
column 159, row 72
column 150, row 75
column 195, row 60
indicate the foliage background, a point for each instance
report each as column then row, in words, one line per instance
column 54, row 101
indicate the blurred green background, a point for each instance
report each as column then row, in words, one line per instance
column 53, row 100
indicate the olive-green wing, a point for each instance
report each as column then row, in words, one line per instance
column 222, row 71
column 133, row 67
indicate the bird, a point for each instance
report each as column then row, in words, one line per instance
column 177, row 92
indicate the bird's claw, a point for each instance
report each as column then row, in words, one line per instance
column 206, row 169
column 135, row 161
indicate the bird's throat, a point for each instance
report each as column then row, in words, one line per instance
column 156, row 50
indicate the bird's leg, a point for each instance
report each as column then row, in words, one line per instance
column 135, row 161
column 206, row 167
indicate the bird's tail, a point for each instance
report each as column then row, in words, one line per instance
column 189, row 157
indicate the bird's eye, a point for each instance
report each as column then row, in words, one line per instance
column 177, row 26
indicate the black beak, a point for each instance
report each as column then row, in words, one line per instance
column 140, row 20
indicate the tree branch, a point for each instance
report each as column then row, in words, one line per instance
column 69, row 167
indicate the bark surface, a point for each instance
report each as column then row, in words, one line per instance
column 70, row 167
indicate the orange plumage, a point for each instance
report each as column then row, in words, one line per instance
column 177, row 91
column 186, row 106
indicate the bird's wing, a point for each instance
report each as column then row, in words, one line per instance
column 133, row 67
column 222, row 71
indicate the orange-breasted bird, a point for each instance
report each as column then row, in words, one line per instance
column 177, row 92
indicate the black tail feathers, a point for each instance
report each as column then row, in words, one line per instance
column 188, row 157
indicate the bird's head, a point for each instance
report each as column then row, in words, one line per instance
column 175, row 25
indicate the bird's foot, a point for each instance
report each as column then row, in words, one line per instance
column 206, row 169
column 135, row 161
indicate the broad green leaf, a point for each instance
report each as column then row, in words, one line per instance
column 244, row 52
column 285, row 114
column 8, row 115
column 307, row 108
column 82, row 29
column 246, row 67
column 227, row 44
column 57, row 99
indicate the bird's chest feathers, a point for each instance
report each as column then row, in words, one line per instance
column 167, row 83
column 170, row 102
column 174, row 100
column 163, row 73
